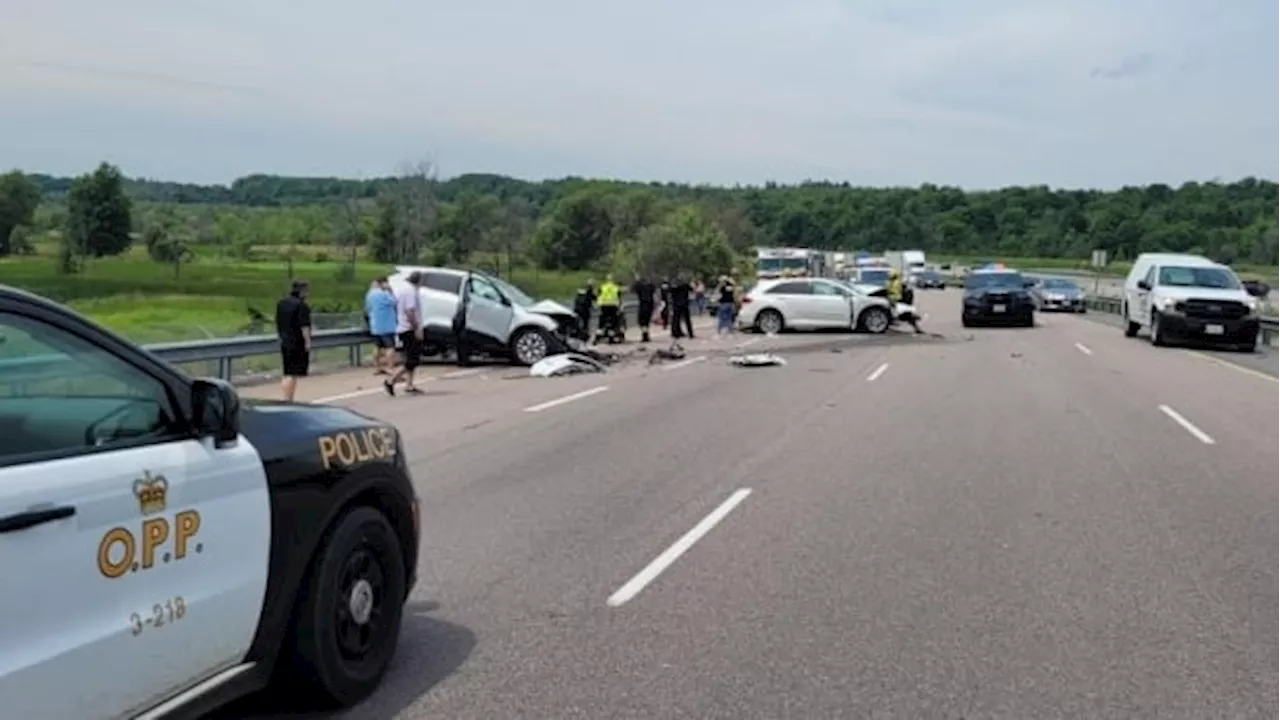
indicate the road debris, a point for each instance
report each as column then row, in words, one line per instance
column 675, row 352
column 566, row 364
column 763, row 359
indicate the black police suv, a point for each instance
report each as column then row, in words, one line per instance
column 998, row 297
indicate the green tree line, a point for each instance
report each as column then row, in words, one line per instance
column 577, row 223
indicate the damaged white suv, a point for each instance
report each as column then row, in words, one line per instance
column 501, row 320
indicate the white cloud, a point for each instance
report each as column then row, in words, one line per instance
column 983, row 92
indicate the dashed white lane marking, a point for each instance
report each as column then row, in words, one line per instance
column 877, row 372
column 1083, row 349
column 1187, row 425
column 673, row 553
column 684, row 363
column 747, row 343
column 566, row 399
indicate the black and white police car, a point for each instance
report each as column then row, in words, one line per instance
column 166, row 549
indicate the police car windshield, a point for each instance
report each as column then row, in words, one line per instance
column 874, row 277
column 1059, row 284
column 994, row 281
column 1202, row 277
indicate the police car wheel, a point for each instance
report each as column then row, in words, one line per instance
column 348, row 620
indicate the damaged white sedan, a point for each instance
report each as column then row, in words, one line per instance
column 772, row 306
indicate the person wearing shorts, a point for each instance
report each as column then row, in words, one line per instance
column 293, row 327
column 409, row 328
column 380, row 311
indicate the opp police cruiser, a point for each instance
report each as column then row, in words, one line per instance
column 165, row 550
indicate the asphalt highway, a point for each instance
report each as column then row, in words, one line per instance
column 1053, row 522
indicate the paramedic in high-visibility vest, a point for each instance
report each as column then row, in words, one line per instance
column 609, row 301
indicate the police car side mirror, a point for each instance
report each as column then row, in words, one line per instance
column 215, row 410
column 1144, row 285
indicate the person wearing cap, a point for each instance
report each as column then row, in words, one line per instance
column 293, row 327
column 409, row 327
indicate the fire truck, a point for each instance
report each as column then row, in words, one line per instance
column 789, row 262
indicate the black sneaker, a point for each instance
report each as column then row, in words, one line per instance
column 413, row 391
column 389, row 387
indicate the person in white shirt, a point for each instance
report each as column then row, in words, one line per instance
column 409, row 326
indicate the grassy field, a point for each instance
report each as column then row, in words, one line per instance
column 213, row 298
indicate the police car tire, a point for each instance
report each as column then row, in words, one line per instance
column 318, row 663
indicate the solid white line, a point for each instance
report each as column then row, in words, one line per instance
column 1199, row 434
column 566, row 399
column 684, row 363
column 344, row 396
column 1083, row 349
column 673, row 553
column 878, row 372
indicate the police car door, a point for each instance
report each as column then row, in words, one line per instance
column 134, row 556
column 488, row 311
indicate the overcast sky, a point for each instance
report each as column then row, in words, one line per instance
column 979, row 93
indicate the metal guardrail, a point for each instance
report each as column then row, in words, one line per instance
column 222, row 351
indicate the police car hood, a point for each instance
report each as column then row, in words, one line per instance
column 279, row 428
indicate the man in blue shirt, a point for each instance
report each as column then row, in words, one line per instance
column 380, row 313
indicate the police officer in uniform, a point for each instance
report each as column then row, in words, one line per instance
column 645, row 291
column 582, row 304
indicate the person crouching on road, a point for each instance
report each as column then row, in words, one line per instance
column 409, row 326
column 380, row 311
column 293, row 327
column 896, row 295
column 726, row 305
column 582, row 304
column 645, row 292
column 610, row 300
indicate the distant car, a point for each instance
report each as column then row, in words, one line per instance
column 1058, row 295
column 997, row 296
column 931, row 279
column 774, row 305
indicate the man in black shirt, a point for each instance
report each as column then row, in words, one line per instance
column 645, row 291
column 293, row 327
column 680, row 316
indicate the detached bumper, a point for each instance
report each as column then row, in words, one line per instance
column 1243, row 331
